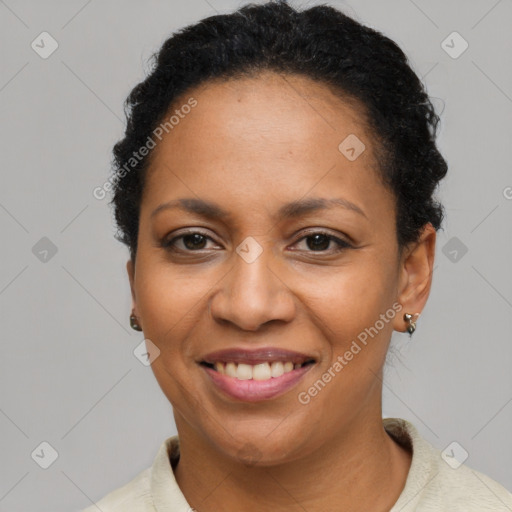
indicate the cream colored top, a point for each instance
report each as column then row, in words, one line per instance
column 434, row 483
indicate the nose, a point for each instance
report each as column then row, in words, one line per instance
column 252, row 294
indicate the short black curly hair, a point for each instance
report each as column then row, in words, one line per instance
column 320, row 43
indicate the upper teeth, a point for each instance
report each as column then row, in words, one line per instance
column 262, row 371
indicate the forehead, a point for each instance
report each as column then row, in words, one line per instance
column 262, row 136
column 293, row 107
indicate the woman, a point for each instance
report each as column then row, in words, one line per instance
column 275, row 188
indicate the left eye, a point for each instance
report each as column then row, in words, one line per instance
column 195, row 241
column 320, row 240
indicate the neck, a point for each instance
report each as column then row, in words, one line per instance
column 361, row 469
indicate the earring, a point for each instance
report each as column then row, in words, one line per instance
column 411, row 320
column 134, row 324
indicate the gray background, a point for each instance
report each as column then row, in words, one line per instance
column 68, row 375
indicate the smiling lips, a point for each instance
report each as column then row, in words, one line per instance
column 261, row 371
column 256, row 374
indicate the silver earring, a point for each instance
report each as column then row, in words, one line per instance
column 411, row 320
column 134, row 324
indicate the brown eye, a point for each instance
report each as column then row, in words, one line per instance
column 191, row 242
column 320, row 241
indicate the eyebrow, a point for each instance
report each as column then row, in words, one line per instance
column 290, row 210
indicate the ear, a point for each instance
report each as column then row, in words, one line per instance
column 130, row 267
column 415, row 275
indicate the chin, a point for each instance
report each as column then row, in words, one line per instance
column 260, row 449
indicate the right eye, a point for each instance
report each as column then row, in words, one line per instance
column 192, row 241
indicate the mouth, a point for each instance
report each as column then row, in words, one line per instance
column 257, row 374
column 260, row 371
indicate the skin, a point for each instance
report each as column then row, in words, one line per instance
column 250, row 146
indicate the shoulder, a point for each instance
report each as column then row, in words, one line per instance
column 466, row 487
column 437, row 481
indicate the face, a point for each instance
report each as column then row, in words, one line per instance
column 254, row 308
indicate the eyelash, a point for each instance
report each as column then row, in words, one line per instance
column 342, row 244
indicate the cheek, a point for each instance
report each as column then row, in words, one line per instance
column 348, row 311
column 171, row 303
column 351, row 299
